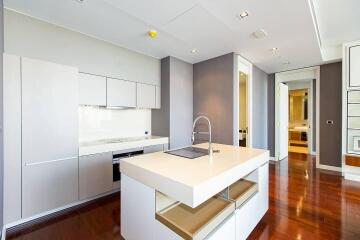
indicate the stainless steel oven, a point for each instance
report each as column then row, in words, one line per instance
column 120, row 155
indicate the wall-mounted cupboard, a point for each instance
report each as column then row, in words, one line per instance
column 92, row 89
column 111, row 92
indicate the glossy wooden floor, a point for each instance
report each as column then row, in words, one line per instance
column 305, row 203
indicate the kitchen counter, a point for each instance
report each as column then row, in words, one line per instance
column 193, row 181
column 160, row 192
column 118, row 144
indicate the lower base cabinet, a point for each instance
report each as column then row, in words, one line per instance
column 49, row 185
column 95, row 175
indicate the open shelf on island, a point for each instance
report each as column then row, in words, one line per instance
column 193, row 223
column 241, row 191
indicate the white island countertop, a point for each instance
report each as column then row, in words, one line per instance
column 118, row 144
column 193, row 181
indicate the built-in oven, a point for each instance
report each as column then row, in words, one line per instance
column 117, row 157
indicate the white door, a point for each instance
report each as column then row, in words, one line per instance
column 282, row 126
column 146, row 95
column 121, row 93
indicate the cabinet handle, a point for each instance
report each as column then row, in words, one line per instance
column 50, row 161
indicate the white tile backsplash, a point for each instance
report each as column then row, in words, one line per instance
column 102, row 123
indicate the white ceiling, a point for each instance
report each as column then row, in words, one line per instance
column 211, row 26
column 338, row 21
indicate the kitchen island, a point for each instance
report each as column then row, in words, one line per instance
column 167, row 197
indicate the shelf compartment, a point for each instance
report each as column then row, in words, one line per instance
column 241, row 191
column 196, row 223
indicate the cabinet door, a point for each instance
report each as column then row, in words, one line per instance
column 121, row 93
column 158, row 97
column 12, row 138
column 146, row 96
column 226, row 230
column 49, row 185
column 92, row 90
column 95, row 175
column 49, row 111
column 154, row 148
column 354, row 74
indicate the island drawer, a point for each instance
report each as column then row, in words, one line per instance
column 241, row 191
column 195, row 223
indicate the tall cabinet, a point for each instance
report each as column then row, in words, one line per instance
column 45, row 133
column 351, row 110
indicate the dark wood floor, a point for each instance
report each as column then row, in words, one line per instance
column 305, row 203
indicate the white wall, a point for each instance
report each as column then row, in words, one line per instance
column 101, row 123
column 27, row 36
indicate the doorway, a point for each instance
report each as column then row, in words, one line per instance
column 301, row 124
column 243, row 103
column 243, row 128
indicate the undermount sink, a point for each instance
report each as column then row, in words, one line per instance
column 189, row 152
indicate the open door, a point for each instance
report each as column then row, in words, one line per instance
column 283, row 122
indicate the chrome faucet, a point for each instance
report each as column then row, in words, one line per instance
column 209, row 132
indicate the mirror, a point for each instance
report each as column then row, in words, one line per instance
column 298, row 105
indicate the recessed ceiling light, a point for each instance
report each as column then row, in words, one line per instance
column 244, row 14
column 80, row 1
column 194, row 51
column 286, row 63
column 259, row 34
column 274, row 49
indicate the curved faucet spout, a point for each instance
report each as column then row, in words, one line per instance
column 209, row 131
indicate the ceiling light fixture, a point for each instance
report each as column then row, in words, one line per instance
column 274, row 49
column 80, row 1
column 194, row 51
column 259, row 34
column 244, row 14
column 286, row 63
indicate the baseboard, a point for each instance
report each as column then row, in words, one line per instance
column 3, row 233
column 352, row 177
column 50, row 213
column 330, row 168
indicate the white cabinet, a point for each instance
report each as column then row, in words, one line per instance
column 12, row 138
column 225, row 231
column 49, row 135
column 49, row 185
column 146, row 95
column 121, row 93
column 158, row 97
column 95, row 175
column 92, row 90
column 354, row 63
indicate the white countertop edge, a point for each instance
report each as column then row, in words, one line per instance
column 194, row 196
column 111, row 147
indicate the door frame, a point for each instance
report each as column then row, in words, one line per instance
column 249, row 102
column 309, row 73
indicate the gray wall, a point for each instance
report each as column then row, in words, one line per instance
column 27, row 36
column 1, row 114
column 260, row 109
column 214, row 96
column 330, row 109
column 175, row 117
column 271, row 114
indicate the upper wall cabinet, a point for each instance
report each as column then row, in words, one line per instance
column 121, row 93
column 146, row 96
column 92, row 90
column 354, row 63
